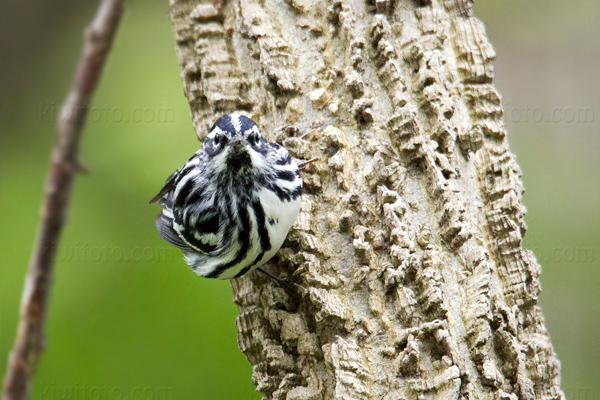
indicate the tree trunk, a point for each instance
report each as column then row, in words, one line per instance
column 409, row 274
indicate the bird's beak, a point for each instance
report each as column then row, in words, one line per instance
column 237, row 145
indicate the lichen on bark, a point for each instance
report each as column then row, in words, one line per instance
column 407, row 259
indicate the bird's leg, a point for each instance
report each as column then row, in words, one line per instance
column 284, row 283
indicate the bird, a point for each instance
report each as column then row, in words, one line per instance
column 231, row 206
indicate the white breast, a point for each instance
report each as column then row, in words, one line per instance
column 282, row 213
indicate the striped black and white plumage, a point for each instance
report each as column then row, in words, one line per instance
column 230, row 207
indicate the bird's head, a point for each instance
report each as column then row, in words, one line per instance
column 235, row 145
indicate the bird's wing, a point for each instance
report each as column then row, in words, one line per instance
column 169, row 185
column 200, row 234
column 164, row 225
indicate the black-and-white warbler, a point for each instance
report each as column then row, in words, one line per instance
column 231, row 206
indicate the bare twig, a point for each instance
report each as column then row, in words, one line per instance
column 64, row 165
column 304, row 163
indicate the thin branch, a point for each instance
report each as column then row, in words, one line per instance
column 64, row 165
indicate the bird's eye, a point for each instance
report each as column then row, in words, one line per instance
column 220, row 139
column 253, row 139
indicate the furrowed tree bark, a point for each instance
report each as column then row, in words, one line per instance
column 411, row 277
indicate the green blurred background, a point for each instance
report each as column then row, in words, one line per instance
column 127, row 319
